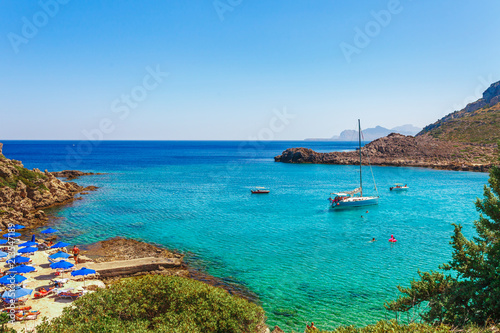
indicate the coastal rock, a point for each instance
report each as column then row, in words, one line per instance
column 72, row 174
column 400, row 150
column 25, row 193
column 277, row 330
column 492, row 92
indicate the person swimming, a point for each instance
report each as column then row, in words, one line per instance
column 373, row 240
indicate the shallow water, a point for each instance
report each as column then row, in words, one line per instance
column 304, row 261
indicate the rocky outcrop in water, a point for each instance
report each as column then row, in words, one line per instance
column 24, row 194
column 401, row 150
column 72, row 174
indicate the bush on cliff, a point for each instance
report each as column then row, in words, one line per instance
column 471, row 293
column 156, row 303
column 28, row 177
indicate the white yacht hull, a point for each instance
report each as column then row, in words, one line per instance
column 355, row 202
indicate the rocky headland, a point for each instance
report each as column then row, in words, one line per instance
column 463, row 140
column 24, row 194
column 400, row 150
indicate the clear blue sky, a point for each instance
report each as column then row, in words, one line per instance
column 229, row 68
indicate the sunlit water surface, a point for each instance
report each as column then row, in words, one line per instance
column 303, row 260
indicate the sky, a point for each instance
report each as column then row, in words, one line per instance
column 238, row 69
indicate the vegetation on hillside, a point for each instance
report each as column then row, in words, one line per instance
column 28, row 177
column 480, row 126
column 467, row 290
column 157, row 303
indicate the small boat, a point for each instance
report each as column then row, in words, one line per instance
column 399, row 187
column 354, row 198
column 260, row 190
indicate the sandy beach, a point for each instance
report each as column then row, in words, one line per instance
column 49, row 306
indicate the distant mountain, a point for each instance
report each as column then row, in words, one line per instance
column 373, row 133
column 478, row 122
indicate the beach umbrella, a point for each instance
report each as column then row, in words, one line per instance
column 18, row 260
column 3, row 254
column 12, row 235
column 29, row 249
column 59, row 255
column 49, row 231
column 61, row 264
column 33, row 238
column 30, row 243
column 3, row 241
column 59, row 245
column 83, row 271
column 16, row 293
column 12, row 279
column 21, row 269
column 18, row 227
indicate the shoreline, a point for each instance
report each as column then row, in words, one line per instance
column 404, row 151
column 52, row 307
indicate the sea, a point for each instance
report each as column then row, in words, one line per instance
column 303, row 261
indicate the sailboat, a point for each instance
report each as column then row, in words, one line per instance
column 354, row 198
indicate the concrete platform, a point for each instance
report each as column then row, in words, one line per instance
column 132, row 266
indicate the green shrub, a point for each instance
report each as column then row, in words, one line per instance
column 156, row 303
column 28, row 177
column 470, row 292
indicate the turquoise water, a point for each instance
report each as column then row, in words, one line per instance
column 303, row 260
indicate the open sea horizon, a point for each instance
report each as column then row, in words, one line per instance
column 304, row 261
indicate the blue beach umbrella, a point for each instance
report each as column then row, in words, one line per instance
column 59, row 245
column 16, row 293
column 12, row 235
column 3, row 241
column 49, row 231
column 59, row 255
column 12, row 279
column 83, row 271
column 33, row 238
column 29, row 249
column 21, row 269
column 61, row 264
column 18, row 260
column 3, row 254
column 30, row 243
column 18, row 227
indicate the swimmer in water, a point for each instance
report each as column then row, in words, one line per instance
column 373, row 240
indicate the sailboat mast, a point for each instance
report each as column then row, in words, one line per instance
column 360, row 170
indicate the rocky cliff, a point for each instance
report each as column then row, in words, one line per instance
column 25, row 193
column 401, row 150
column 478, row 122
